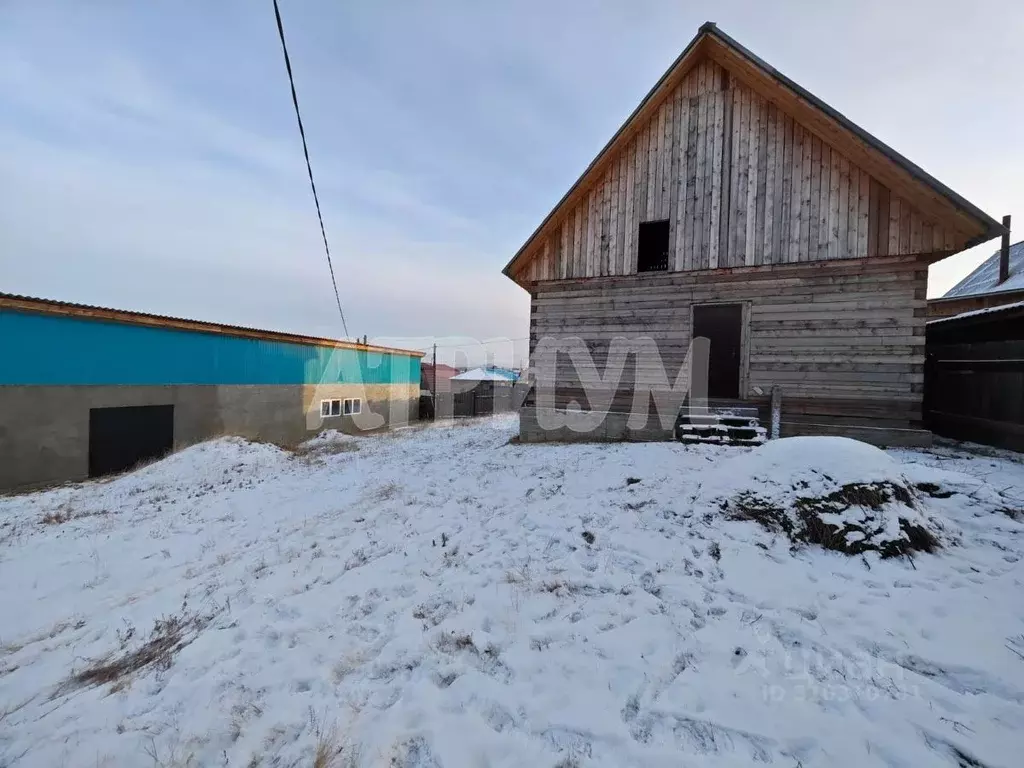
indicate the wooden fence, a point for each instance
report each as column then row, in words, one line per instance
column 974, row 378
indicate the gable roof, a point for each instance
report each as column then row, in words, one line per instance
column 892, row 169
column 985, row 279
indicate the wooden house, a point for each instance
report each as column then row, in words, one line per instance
column 998, row 281
column 734, row 205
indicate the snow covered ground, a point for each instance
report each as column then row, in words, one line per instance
column 439, row 597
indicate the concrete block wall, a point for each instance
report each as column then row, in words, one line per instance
column 44, row 430
column 577, row 427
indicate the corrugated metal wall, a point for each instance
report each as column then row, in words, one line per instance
column 53, row 350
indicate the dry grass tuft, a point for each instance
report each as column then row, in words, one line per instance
column 319, row 450
column 450, row 642
column 331, row 750
column 65, row 513
column 168, row 636
column 387, row 492
column 56, row 517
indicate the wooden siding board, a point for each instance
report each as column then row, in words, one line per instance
column 682, row 208
column 784, row 226
column 640, row 196
column 629, row 246
column 853, row 212
column 700, row 104
column 843, row 210
column 742, row 178
column 665, row 200
column 796, row 199
column 874, row 192
column 773, row 184
column 863, row 196
column 906, row 214
column 823, row 202
column 612, row 246
column 658, row 169
column 579, row 252
column 834, row 194
column 672, row 180
column 710, row 171
column 884, row 209
column 691, row 183
column 593, row 225
column 620, row 227
column 806, row 214
column 651, row 171
column 731, row 209
column 892, row 245
column 759, row 162
column 728, row 172
column 814, row 203
column 717, row 138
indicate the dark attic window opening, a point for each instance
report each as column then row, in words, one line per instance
column 652, row 247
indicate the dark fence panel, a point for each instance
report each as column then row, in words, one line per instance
column 974, row 385
column 486, row 398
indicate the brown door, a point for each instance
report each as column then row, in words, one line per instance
column 721, row 324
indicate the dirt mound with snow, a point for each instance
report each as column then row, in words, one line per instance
column 328, row 443
column 841, row 494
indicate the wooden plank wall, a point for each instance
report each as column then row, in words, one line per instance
column 975, row 379
column 849, row 333
column 741, row 183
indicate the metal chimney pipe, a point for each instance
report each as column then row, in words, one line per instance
column 1004, row 253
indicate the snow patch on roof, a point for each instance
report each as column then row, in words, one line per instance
column 486, row 374
column 985, row 279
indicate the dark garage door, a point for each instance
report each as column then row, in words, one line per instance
column 119, row 438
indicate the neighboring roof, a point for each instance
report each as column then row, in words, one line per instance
column 10, row 301
column 711, row 41
column 486, row 374
column 985, row 279
column 442, row 368
column 979, row 312
column 444, row 373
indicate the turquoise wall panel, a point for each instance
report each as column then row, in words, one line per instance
column 56, row 350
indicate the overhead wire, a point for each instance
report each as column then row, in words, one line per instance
column 309, row 167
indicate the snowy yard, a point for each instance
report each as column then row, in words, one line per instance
column 440, row 597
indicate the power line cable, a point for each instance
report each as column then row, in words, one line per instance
column 309, row 167
column 475, row 343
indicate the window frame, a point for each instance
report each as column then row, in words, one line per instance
column 330, row 404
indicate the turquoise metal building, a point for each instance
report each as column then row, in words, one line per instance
column 89, row 390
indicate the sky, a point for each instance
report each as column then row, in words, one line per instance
column 150, row 158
